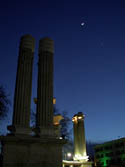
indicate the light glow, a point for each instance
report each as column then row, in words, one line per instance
column 71, row 162
column 82, row 24
column 80, row 117
column 57, row 119
column 69, row 154
column 60, row 138
column 74, row 119
column 54, row 100
column 81, row 158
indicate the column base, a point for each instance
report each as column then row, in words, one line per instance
column 77, row 163
column 19, row 130
column 44, row 132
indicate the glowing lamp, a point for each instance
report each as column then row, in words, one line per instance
column 74, row 119
column 54, row 100
column 69, row 154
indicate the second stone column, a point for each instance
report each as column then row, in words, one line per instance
column 44, row 116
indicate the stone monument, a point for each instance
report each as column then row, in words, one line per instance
column 79, row 138
column 22, row 99
column 80, row 158
column 44, row 117
column 20, row 148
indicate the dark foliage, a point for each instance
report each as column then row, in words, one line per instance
column 65, row 131
column 65, row 125
column 4, row 103
column 33, row 118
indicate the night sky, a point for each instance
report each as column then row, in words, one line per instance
column 89, row 60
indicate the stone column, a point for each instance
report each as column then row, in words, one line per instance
column 44, row 117
column 22, row 98
column 76, row 148
column 79, row 138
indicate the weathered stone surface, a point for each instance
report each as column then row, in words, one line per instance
column 44, row 118
column 32, row 152
column 22, row 98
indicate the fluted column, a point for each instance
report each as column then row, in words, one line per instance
column 44, row 118
column 76, row 149
column 22, row 98
column 79, row 138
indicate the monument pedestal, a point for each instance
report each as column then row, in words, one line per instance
column 19, row 130
column 28, row 151
column 77, row 164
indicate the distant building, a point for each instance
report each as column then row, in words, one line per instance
column 110, row 154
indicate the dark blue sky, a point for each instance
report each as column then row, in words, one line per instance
column 89, row 69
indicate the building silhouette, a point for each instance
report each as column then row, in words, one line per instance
column 110, row 153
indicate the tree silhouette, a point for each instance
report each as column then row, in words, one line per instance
column 64, row 131
column 4, row 103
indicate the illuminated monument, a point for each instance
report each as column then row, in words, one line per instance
column 79, row 138
column 80, row 157
column 44, row 148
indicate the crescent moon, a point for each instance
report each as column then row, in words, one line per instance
column 82, row 24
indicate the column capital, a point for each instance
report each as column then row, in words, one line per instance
column 46, row 44
column 78, row 117
column 27, row 42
